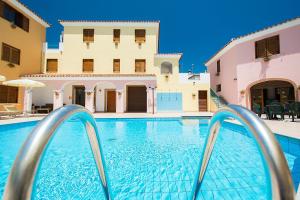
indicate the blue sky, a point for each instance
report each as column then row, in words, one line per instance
column 197, row 28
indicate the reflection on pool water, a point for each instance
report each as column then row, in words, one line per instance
column 147, row 159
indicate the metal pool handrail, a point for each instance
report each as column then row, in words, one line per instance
column 21, row 180
column 275, row 164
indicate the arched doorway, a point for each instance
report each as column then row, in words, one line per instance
column 105, row 96
column 266, row 92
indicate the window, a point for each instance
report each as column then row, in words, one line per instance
column 8, row 94
column 218, row 88
column 52, row 65
column 88, row 65
column 140, row 35
column 117, row 33
column 88, row 35
column 166, row 68
column 267, row 47
column 218, row 67
column 10, row 54
column 140, row 65
column 13, row 16
column 116, row 67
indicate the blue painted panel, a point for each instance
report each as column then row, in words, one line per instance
column 169, row 102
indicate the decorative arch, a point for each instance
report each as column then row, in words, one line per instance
column 248, row 89
column 166, row 67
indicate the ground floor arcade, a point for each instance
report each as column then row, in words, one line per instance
column 116, row 93
column 98, row 93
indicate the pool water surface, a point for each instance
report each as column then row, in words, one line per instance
column 147, row 159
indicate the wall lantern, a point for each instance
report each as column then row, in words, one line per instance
column 119, row 93
column 242, row 92
column 194, row 95
column 166, row 77
column 56, row 93
column 89, row 93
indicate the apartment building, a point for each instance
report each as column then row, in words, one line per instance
column 22, row 35
column 115, row 66
column 260, row 67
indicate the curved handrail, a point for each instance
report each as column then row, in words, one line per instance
column 21, row 179
column 275, row 164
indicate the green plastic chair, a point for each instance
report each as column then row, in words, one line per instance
column 275, row 109
column 295, row 110
column 257, row 109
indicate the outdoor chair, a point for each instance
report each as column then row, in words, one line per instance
column 295, row 110
column 275, row 109
column 257, row 109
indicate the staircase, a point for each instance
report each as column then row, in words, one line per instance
column 219, row 100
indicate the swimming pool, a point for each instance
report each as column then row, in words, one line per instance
column 147, row 159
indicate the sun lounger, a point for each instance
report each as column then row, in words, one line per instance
column 10, row 111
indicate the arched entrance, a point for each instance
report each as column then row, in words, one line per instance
column 266, row 92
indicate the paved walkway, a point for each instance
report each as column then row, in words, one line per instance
column 285, row 127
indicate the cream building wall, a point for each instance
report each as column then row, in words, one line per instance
column 30, row 44
column 103, row 50
column 179, row 83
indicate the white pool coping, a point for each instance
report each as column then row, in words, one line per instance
column 286, row 127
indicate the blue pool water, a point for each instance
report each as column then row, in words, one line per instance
column 147, row 159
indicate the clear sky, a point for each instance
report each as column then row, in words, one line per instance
column 197, row 28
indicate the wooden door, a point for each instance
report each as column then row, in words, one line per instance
column 136, row 99
column 202, row 100
column 111, row 101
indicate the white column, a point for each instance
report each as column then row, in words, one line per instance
column 155, row 100
column 120, row 100
column 27, row 101
column 89, row 100
column 150, row 102
column 58, row 99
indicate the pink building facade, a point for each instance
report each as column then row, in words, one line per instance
column 259, row 67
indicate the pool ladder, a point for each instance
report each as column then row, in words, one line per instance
column 21, row 180
column 275, row 164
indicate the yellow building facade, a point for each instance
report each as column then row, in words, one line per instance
column 22, row 35
column 115, row 66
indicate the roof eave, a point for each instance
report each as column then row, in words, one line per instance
column 29, row 12
column 108, row 23
column 253, row 36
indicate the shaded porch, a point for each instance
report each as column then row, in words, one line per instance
column 96, row 92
